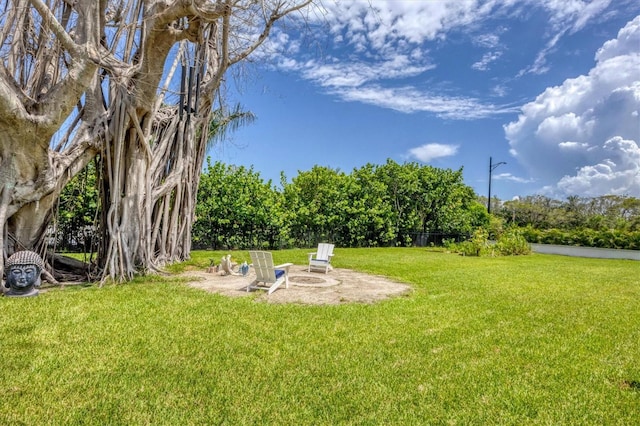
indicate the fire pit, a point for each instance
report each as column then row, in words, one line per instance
column 312, row 281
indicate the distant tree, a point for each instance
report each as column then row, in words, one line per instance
column 534, row 210
column 369, row 219
column 319, row 200
column 426, row 199
column 403, row 195
column 570, row 214
column 475, row 216
column 599, row 213
column 445, row 201
column 75, row 221
column 237, row 209
column 613, row 212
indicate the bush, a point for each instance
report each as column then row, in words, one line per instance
column 512, row 243
column 585, row 237
column 476, row 246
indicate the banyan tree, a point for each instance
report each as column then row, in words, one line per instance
column 132, row 85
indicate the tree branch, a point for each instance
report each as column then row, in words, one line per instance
column 61, row 34
column 276, row 14
column 11, row 106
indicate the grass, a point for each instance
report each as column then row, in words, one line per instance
column 537, row 339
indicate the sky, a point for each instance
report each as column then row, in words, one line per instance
column 547, row 90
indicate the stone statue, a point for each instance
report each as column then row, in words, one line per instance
column 226, row 266
column 22, row 272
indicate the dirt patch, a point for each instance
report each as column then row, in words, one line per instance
column 317, row 288
column 302, row 280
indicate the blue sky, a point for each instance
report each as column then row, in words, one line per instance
column 551, row 87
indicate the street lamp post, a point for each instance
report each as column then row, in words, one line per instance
column 491, row 169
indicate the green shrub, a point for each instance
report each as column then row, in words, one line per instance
column 512, row 243
column 476, row 246
column 585, row 237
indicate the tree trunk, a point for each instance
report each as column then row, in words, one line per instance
column 41, row 83
column 57, row 59
column 148, row 195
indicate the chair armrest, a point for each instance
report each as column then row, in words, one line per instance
column 283, row 266
column 312, row 254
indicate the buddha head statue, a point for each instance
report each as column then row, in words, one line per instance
column 22, row 271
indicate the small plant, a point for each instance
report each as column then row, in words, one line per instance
column 450, row 244
column 476, row 246
column 478, row 243
column 512, row 243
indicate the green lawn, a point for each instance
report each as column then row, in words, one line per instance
column 537, row 339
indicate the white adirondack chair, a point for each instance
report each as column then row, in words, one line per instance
column 321, row 259
column 268, row 276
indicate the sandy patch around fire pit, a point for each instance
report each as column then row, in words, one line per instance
column 316, row 288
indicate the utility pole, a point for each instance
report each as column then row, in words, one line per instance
column 491, row 169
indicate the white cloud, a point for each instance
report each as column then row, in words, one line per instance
column 628, row 41
column 386, row 25
column 573, row 146
column 566, row 17
column 487, row 58
column 512, row 178
column 573, row 15
column 487, row 40
column 410, row 100
column 618, row 175
column 591, row 10
column 499, row 90
column 381, row 44
column 336, row 74
column 387, row 22
column 431, row 151
column 384, row 43
column 540, row 66
column 584, row 134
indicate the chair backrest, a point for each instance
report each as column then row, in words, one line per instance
column 263, row 265
column 324, row 252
